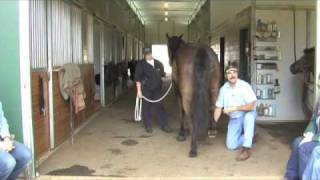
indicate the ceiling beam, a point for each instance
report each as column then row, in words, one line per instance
column 170, row 19
column 160, row 16
column 164, row 1
column 169, row 10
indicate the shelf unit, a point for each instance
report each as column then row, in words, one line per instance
column 266, row 55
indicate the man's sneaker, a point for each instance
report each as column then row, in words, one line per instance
column 149, row 129
column 166, row 129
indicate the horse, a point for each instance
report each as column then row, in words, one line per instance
column 305, row 65
column 196, row 79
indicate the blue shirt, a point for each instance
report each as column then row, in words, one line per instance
column 242, row 94
column 4, row 127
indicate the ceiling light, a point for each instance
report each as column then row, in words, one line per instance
column 166, row 5
column 166, row 13
column 166, row 19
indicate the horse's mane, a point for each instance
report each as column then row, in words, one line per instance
column 309, row 50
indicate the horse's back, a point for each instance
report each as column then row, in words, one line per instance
column 188, row 53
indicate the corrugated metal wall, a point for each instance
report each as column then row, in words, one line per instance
column 61, row 33
column 76, row 34
column 89, row 28
column 38, row 35
column 71, row 33
column 108, row 44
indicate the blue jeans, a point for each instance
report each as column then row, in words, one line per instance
column 241, row 131
column 299, row 158
column 312, row 171
column 14, row 162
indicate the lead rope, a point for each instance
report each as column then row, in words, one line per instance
column 138, row 107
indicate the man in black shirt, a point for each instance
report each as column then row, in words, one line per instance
column 148, row 81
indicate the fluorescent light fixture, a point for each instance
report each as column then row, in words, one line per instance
column 166, row 5
column 166, row 19
column 166, row 13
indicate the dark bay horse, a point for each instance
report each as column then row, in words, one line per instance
column 196, row 78
column 305, row 65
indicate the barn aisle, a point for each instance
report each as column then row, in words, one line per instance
column 112, row 145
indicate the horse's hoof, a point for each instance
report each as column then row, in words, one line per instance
column 193, row 154
column 181, row 138
column 212, row 133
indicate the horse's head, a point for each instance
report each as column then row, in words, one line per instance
column 174, row 43
column 305, row 63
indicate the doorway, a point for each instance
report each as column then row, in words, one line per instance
column 160, row 52
column 244, row 65
column 222, row 51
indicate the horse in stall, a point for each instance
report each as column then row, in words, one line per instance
column 196, row 78
column 305, row 65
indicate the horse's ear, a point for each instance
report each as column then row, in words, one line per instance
column 180, row 37
column 168, row 37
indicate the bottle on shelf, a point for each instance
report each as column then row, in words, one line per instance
column 258, row 79
column 262, row 79
column 259, row 92
column 265, row 110
column 269, row 78
column 270, row 93
column 260, row 109
column 276, row 87
column 270, row 110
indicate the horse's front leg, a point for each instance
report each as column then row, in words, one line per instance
column 213, row 128
column 193, row 152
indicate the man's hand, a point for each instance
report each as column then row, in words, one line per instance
column 139, row 91
column 230, row 110
column 307, row 138
column 139, row 94
column 7, row 145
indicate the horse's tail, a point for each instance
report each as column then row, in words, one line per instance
column 200, row 98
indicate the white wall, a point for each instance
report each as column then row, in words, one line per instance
column 223, row 10
column 231, row 32
column 155, row 32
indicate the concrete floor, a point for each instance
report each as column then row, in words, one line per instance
column 112, row 145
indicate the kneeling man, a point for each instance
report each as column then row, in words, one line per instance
column 237, row 100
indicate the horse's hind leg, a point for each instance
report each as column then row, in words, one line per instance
column 193, row 152
column 182, row 133
column 214, row 90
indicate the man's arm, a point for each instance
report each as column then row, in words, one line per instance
column 217, row 113
column 139, row 91
column 246, row 108
column 138, row 78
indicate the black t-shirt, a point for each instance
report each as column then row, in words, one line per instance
column 150, row 76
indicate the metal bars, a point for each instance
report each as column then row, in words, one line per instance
column 38, row 34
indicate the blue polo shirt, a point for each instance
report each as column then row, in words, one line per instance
column 242, row 94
